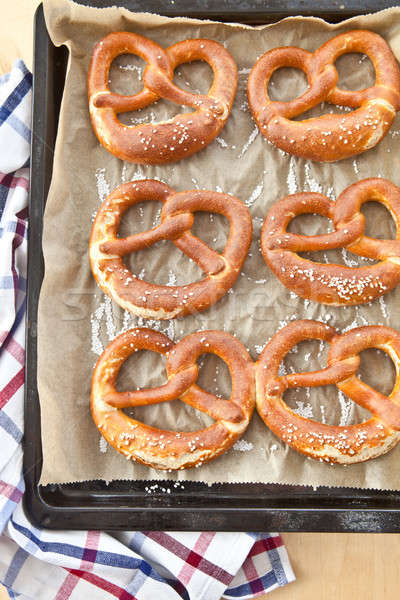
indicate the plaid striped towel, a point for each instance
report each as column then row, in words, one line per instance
column 47, row 565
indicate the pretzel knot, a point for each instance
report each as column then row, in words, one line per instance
column 339, row 444
column 332, row 283
column 167, row 141
column 150, row 300
column 163, row 449
column 332, row 136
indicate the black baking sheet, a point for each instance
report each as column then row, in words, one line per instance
column 193, row 506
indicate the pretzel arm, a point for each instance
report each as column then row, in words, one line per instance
column 165, row 393
column 140, row 397
column 169, row 229
column 214, row 407
column 377, row 249
column 157, row 80
column 330, row 375
column 306, row 243
column 120, row 103
column 208, row 259
column 372, row 400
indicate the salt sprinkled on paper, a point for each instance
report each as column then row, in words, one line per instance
column 251, row 139
column 97, row 346
column 282, row 370
column 355, row 323
column 103, row 444
column 103, row 188
column 259, row 347
column 330, row 193
column 110, row 325
column 171, row 278
column 136, row 68
column 243, row 446
column 349, row 262
column 221, row 142
column 361, row 317
column 383, row 307
column 126, row 322
column 170, row 330
column 123, row 173
column 258, row 222
column 138, row 175
column 291, row 178
column 345, row 406
column 256, row 193
column 303, row 409
column 312, row 183
column 157, row 218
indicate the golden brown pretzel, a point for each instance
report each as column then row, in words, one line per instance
column 163, row 449
column 332, row 283
column 160, row 301
column 332, row 136
column 167, row 141
column 340, row 444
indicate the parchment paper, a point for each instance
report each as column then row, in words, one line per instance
column 76, row 320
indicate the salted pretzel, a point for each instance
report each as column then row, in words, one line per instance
column 337, row 444
column 160, row 301
column 159, row 448
column 333, row 283
column 329, row 137
column 176, row 138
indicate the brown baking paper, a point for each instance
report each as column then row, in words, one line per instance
column 76, row 320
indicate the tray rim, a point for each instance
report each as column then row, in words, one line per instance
column 155, row 512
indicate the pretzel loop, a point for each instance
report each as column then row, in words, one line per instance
column 159, row 301
column 332, row 283
column 329, row 137
column 341, row 444
column 355, row 341
column 176, row 138
column 165, row 449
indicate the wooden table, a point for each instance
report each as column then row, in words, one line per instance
column 327, row 566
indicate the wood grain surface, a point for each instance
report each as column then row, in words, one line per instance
column 327, row 566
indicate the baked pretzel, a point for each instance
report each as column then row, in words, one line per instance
column 167, row 141
column 332, row 283
column 332, row 136
column 336, row 444
column 150, row 300
column 159, row 448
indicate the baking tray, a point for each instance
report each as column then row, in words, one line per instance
column 193, row 506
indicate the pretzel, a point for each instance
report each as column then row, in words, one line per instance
column 329, row 137
column 150, row 300
column 335, row 444
column 167, row 141
column 159, row 448
column 332, row 283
